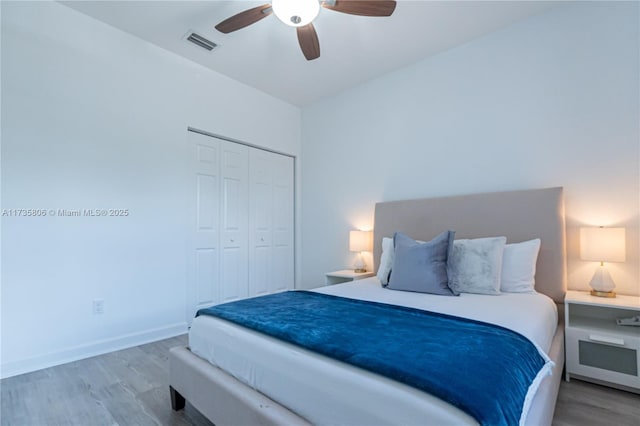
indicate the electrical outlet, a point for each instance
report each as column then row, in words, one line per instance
column 98, row 306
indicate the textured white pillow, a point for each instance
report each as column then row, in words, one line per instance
column 475, row 266
column 519, row 267
column 386, row 260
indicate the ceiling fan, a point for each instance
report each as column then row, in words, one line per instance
column 301, row 13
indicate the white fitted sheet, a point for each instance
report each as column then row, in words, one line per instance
column 329, row 392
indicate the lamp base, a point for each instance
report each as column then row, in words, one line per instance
column 602, row 284
column 603, row 293
column 359, row 266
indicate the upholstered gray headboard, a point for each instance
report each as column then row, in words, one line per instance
column 517, row 215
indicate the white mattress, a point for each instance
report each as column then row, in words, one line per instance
column 329, row 392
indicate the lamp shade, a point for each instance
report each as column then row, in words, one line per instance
column 602, row 244
column 360, row 240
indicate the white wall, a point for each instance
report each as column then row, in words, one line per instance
column 96, row 118
column 549, row 101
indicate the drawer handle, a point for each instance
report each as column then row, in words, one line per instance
column 606, row 339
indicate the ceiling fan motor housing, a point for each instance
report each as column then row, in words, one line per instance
column 296, row 13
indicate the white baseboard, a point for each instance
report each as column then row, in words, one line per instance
column 88, row 350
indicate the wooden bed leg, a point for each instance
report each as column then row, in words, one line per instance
column 177, row 400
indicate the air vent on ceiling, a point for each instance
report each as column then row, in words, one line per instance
column 198, row 40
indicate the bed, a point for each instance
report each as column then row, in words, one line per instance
column 297, row 387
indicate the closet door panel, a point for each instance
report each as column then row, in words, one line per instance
column 260, row 271
column 232, row 262
column 234, row 238
column 206, row 269
column 203, row 236
column 283, row 223
column 260, row 221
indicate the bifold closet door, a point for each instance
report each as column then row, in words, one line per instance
column 271, row 251
column 217, row 258
column 204, row 222
column 240, row 239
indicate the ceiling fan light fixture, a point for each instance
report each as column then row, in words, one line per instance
column 296, row 13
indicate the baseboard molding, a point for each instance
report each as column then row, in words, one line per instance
column 88, row 350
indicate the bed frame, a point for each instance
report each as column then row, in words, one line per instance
column 518, row 215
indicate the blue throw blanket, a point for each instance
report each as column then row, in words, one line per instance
column 483, row 369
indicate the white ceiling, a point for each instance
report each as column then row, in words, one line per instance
column 353, row 49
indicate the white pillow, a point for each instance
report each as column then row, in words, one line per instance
column 519, row 267
column 475, row 266
column 386, row 260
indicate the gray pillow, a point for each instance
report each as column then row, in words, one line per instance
column 421, row 267
column 475, row 265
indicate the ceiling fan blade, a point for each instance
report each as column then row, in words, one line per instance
column 362, row 7
column 244, row 19
column 308, row 40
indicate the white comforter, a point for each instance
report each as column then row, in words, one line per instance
column 308, row 383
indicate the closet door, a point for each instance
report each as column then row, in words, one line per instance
column 204, row 209
column 240, row 239
column 234, row 227
column 261, row 166
column 283, row 223
column 270, row 222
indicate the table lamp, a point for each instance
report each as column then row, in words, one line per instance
column 360, row 241
column 602, row 245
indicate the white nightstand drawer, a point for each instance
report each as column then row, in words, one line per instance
column 604, row 356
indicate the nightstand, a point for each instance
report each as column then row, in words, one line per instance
column 346, row 275
column 597, row 348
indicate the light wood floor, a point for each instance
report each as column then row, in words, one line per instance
column 130, row 387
